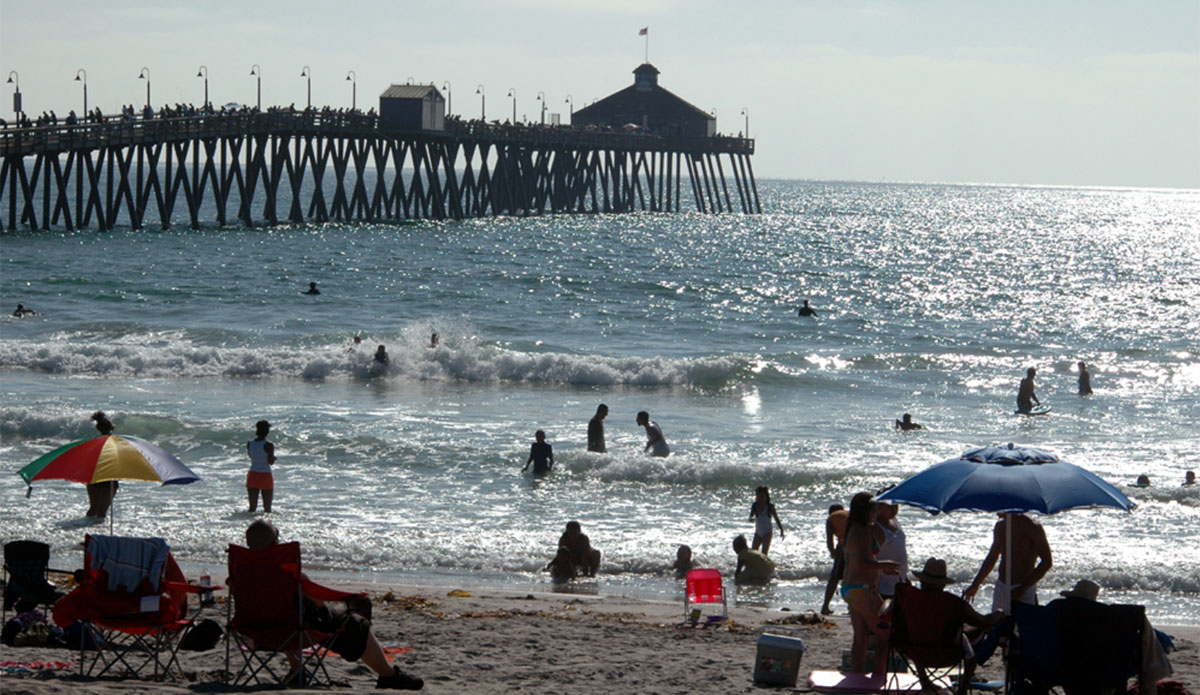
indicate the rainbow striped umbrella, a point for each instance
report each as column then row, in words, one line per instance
column 109, row 457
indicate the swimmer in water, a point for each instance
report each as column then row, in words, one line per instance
column 1189, row 478
column 381, row 356
column 1085, row 380
column 907, row 424
column 312, row 288
column 433, row 340
column 656, row 443
column 806, row 310
column 21, row 312
column 540, row 455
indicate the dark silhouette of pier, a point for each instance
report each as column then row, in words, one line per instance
column 285, row 166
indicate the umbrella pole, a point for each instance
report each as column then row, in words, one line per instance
column 112, row 502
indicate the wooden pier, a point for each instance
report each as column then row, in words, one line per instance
column 288, row 167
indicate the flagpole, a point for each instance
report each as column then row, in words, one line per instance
column 647, row 57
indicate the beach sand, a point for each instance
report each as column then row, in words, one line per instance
column 490, row 641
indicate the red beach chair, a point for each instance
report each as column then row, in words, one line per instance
column 266, row 617
column 703, row 586
column 927, row 630
column 133, row 604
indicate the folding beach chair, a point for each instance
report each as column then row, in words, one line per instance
column 927, row 631
column 1079, row 645
column 265, row 618
column 703, row 586
column 26, row 566
column 133, row 604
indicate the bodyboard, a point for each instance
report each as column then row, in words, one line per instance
column 1036, row 410
column 838, row 682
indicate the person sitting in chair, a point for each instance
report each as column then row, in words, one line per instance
column 933, row 579
column 353, row 637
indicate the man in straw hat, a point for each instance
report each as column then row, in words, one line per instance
column 933, row 579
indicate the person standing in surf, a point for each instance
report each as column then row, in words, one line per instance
column 259, row 478
column 1025, row 395
column 761, row 513
column 1085, row 380
column 540, row 455
column 656, row 443
column 596, row 430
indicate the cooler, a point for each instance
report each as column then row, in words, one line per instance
column 778, row 659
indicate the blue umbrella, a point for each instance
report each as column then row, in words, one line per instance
column 1006, row 479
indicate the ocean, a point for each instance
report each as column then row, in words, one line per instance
column 930, row 299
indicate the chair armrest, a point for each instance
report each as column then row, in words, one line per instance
column 323, row 593
column 66, row 572
column 191, row 588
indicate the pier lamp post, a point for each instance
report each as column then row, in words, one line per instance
column 571, row 101
column 449, row 100
column 512, row 92
column 352, row 78
column 15, row 79
column 307, row 72
column 256, row 71
column 713, row 113
column 203, row 72
column 482, row 103
column 542, row 98
column 145, row 75
column 746, row 113
column 83, row 72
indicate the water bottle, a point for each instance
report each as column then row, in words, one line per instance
column 206, row 597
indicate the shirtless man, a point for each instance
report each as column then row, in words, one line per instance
column 835, row 530
column 806, row 310
column 1025, row 395
column 596, row 430
column 1030, row 562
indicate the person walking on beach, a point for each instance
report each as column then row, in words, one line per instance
column 859, row 585
column 1025, row 395
column 761, row 513
column 806, row 310
column 656, row 443
column 1085, row 380
column 540, row 455
column 260, row 479
column 101, row 495
column 1029, row 562
column 596, row 430
column 835, row 533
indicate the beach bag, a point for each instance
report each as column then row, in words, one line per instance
column 202, row 636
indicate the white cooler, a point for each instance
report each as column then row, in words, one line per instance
column 778, row 659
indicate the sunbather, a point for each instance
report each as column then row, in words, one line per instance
column 354, row 639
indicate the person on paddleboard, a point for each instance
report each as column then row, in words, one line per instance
column 1025, row 395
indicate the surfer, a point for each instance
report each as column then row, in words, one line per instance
column 312, row 288
column 806, row 310
column 1025, row 395
column 907, row 424
column 654, row 436
column 1085, row 380
column 540, row 455
column 596, row 430
column 21, row 312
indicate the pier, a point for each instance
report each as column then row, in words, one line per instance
column 285, row 166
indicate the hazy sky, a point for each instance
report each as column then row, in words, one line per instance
column 1039, row 92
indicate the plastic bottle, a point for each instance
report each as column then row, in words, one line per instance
column 206, row 597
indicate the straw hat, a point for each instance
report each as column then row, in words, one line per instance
column 934, row 572
column 1083, row 589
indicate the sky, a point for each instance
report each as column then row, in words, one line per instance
column 1042, row 92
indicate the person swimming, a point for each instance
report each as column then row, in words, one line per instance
column 806, row 310
column 907, row 424
column 21, row 312
column 433, row 340
column 312, row 288
column 381, row 356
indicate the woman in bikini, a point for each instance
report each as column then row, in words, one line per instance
column 858, row 584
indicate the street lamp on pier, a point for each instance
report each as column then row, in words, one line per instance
column 482, row 103
column 512, row 92
column 542, row 98
column 83, row 72
column 145, row 75
column 713, row 113
column 15, row 79
column 449, row 100
column 307, row 72
column 570, row 100
column 746, row 113
column 352, row 78
column 203, row 72
column 256, row 71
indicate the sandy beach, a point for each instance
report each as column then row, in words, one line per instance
column 490, row 641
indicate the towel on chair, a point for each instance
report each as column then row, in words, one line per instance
column 128, row 560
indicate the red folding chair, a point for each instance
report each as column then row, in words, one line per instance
column 703, row 586
column 133, row 605
column 927, row 630
column 265, row 617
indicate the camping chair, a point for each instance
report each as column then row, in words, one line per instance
column 26, row 564
column 927, row 631
column 265, row 617
column 132, row 601
column 1080, row 645
column 703, row 586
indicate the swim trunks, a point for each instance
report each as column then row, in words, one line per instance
column 1001, row 600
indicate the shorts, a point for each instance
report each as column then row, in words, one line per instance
column 260, row 481
column 350, row 630
column 1000, row 597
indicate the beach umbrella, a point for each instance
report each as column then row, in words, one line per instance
column 1008, row 479
column 107, row 458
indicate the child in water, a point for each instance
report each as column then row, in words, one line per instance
column 540, row 455
column 683, row 562
column 761, row 513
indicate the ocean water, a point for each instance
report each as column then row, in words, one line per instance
column 931, row 300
